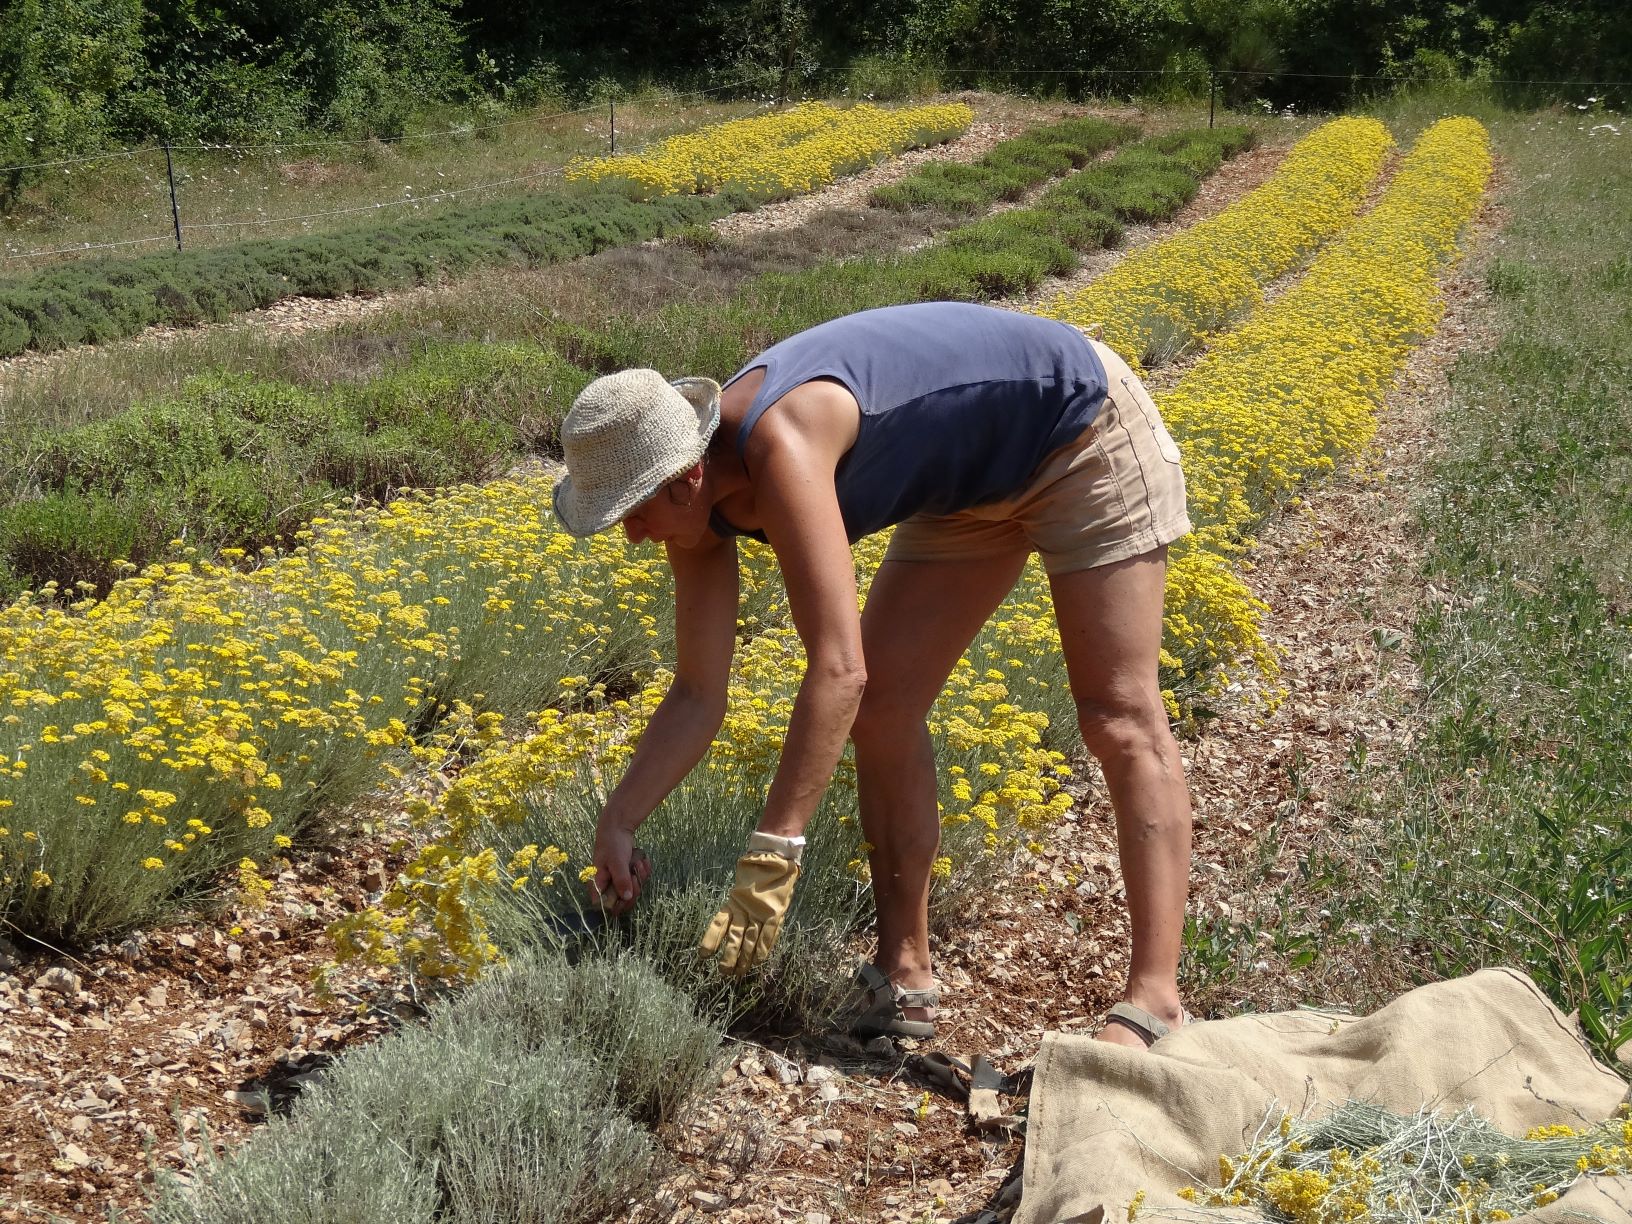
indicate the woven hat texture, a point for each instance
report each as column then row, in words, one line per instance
column 626, row 436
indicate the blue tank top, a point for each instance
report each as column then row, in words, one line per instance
column 960, row 403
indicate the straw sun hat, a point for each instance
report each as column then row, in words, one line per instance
column 628, row 434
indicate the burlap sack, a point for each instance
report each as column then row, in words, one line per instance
column 1107, row 1121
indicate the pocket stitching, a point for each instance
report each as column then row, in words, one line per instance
column 1165, row 445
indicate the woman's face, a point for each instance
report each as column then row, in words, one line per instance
column 675, row 514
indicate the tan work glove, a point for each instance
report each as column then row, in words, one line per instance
column 745, row 931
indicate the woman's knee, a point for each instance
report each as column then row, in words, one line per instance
column 1125, row 728
column 881, row 722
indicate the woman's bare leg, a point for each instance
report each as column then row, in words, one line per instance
column 920, row 618
column 1111, row 631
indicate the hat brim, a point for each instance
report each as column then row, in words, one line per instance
column 589, row 515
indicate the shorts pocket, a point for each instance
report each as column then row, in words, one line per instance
column 1147, row 408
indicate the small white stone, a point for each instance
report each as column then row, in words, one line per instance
column 64, row 981
column 249, row 1102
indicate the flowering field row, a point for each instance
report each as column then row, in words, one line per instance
column 1297, row 386
column 519, row 811
column 1363, row 303
column 1162, row 297
column 778, row 154
column 312, row 666
column 200, row 714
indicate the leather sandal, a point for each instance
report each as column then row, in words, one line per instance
column 876, row 1007
column 1148, row 1028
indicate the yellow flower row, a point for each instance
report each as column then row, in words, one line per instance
column 201, row 713
column 1161, row 298
column 1298, row 384
column 778, row 154
column 1297, row 387
column 1000, row 783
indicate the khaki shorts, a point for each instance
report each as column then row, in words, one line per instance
column 1114, row 492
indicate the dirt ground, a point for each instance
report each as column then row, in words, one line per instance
column 123, row 1055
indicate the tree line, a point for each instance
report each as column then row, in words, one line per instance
column 84, row 75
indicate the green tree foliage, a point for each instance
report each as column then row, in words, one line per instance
column 1582, row 40
column 78, row 75
column 245, row 71
column 60, row 63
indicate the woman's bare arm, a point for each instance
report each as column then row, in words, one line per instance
column 685, row 721
column 798, row 507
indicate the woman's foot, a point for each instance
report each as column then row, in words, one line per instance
column 1128, row 1024
column 879, row 1006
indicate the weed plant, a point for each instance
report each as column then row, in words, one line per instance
column 235, row 461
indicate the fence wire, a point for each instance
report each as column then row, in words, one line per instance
column 463, row 132
column 83, row 248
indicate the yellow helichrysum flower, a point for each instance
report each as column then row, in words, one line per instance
column 776, row 154
column 1296, row 387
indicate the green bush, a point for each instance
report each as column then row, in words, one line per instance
column 215, row 417
column 656, row 1048
column 1010, row 169
column 1142, row 191
column 890, row 78
column 694, row 842
column 66, row 537
column 97, row 300
column 526, row 1100
column 234, row 460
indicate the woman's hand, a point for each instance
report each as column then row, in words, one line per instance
column 620, row 870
